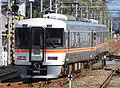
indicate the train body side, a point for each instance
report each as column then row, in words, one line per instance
column 75, row 41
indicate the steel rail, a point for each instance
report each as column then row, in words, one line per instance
column 106, row 82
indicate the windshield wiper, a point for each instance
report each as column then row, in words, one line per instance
column 54, row 46
column 52, row 43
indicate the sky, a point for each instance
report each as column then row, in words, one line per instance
column 114, row 5
column 4, row 0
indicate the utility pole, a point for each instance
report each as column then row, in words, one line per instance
column 9, row 35
column 111, row 21
column 105, row 18
column 101, row 13
column 50, row 5
column 41, row 6
column 94, row 15
column 91, row 2
column 76, row 9
column 56, row 6
column 87, row 12
column 31, row 7
column 108, row 22
column 61, row 11
column 81, row 12
column 0, row 29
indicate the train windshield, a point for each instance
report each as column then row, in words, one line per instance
column 35, row 35
column 21, row 38
column 26, row 37
column 54, row 37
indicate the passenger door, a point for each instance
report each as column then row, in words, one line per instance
column 37, row 46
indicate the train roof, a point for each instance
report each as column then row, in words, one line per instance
column 84, row 23
column 72, row 25
column 84, row 26
column 41, row 22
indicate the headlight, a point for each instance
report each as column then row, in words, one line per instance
column 21, row 58
column 52, row 58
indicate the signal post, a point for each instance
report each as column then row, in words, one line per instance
column 12, row 8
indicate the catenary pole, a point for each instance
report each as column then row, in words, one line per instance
column 111, row 21
column 30, row 9
column 50, row 5
column 9, row 35
column 56, row 6
column 41, row 6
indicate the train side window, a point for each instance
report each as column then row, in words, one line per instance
column 74, row 39
column 84, row 39
column 94, row 36
column 78, row 38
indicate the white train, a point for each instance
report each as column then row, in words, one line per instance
column 44, row 45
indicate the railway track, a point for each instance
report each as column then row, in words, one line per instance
column 112, row 80
column 74, row 68
column 105, row 84
column 8, row 76
column 37, row 84
column 7, row 73
column 30, row 84
column 55, row 83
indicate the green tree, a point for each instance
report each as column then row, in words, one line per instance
column 36, row 14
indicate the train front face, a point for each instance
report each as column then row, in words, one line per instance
column 35, row 52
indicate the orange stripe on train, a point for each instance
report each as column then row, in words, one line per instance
column 58, row 51
column 64, row 50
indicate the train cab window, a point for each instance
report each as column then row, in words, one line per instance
column 21, row 38
column 37, row 37
column 54, row 37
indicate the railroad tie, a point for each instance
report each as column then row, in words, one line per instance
column 36, row 85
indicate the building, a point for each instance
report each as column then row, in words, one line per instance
column 4, row 21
